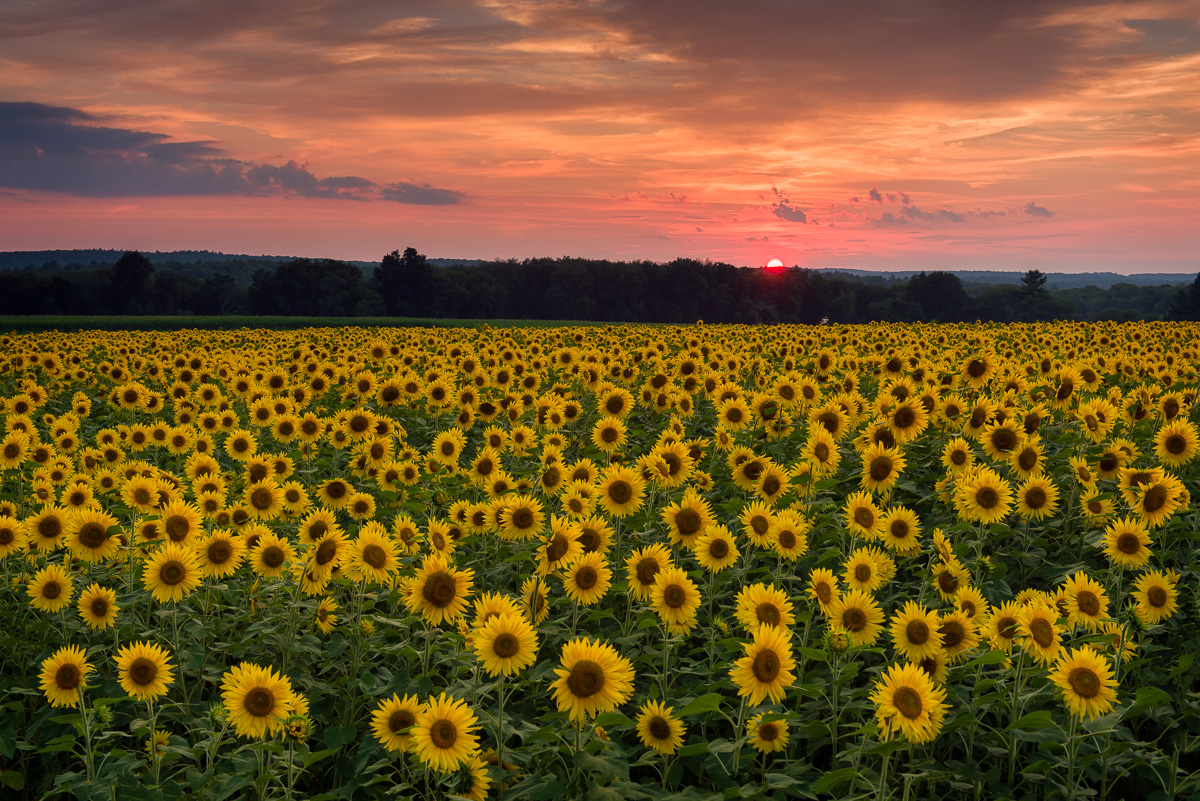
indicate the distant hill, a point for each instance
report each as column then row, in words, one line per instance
column 1054, row 280
column 65, row 259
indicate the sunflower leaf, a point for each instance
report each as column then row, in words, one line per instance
column 709, row 702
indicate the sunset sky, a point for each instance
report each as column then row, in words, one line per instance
column 880, row 135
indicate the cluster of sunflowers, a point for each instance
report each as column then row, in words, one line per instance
column 527, row 526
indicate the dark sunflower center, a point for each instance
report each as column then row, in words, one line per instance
column 374, row 556
column 620, row 491
column 854, row 619
column 262, row 498
column 765, row 666
column 172, row 573
column 589, row 539
column 326, row 551
column 609, row 434
column 821, row 451
column 899, row 530
column 1155, row 498
column 1088, row 602
column 824, row 592
column 557, row 548
column 51, row 590
column 674, row 596
column 976, row 368
column 1129, row 543
column 760, row 524
column 1084, row 682
column 219, row 552
column 917, row 632
column 1157, row 597
column 1175, row 444
column 336, row 490
column 273, row 556
column 881, row 468
column 259, row 702
column 952, row 633
column 143, row 671
column 768, row 732
column 862, row 573
column 400, row 720
column 50, row 527
column 67, row 677
column 908, row 701
column 904, row 417
column 439, row 589
column 93, row 535
column 1006, row 627
column 768, row 614
column 787, row 539
column 771, row 484
column 958, row 456
column 733, row 414
column 506, row 646
column 585, row 679
column 688, row 521
column 864, row 517
column 987, row 498
column 1004, row 439
column 1042, row 632
column 752, row 469
column 522, row 518
column 1035, row 498
column 359, row 423
column 1028, row 459
column 646, row 570
column 614, row 404
column 660, row 729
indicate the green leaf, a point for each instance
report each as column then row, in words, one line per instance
column 1034, row 721
column 814, row 654
column 1147, row 698
column 993, row 657
column 613, row 719
column 13, row 780
column 694, row 749
column 833, row 778
column 709, row 702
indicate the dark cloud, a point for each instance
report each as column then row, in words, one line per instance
column 785, row 211
column 1034, row 210
column 874, row 195
column 43, row 149
column 420, row 194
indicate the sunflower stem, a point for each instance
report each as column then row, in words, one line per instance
column 500, row 734
column 155, row 760
column 738, row 738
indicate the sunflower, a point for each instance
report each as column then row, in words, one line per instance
column 674, row 596
column 687, row 519
column 766, row 669
column 823, row 588
column 915, row 632
column 171, row 573
column 521, row 518
column 264, row 499
column 949, row 577
column 325, row 616
column 1155, row 596
column 620, row 491
column 560, row 547
column 1038, row 631
column 716, row 549
column 859, row 614
column 908, row 703
column 12, row 536
column 593, row 679
column 756, row 519
column 983, row 498
column 271, row 554
column 658, row 728
column 1002, row 625
column 1126, row 543
column 1027, row 460
column 862, row 516
column 1087, row 683
column 959, row 634
column 1157, row 500
column 999, row 439
column 643, row 566
column 534, row 604
column 1086, row 601
column 588, row 579
column 373, row 555
column 881, row 468
column 767, row 736
column 505, row 644
column 334, row 493
column 863, row 570
column 820, row 451
column 219, row 553
column 46, row 530
column 609, row 434
column 901, row 530
column 64, row 676
column 50, row 589
column 392, row 722
column 144, row 670
column 763, row 605
column 789, row 535
column 256, row 699
column 1177, row 443
column 87, row 535
column 439, row 590
column 98, row 607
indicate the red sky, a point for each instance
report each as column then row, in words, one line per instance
column 1057, row 134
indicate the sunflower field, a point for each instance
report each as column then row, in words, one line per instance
column 610, row 562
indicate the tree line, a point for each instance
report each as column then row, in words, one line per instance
column 406, row 284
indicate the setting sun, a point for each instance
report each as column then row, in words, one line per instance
column 774, row 264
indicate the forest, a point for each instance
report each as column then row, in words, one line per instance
column 407, row 284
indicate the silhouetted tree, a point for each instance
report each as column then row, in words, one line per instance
column 131, row 286
column 940, row 296
column 1187, row 302
column 1034, row 282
